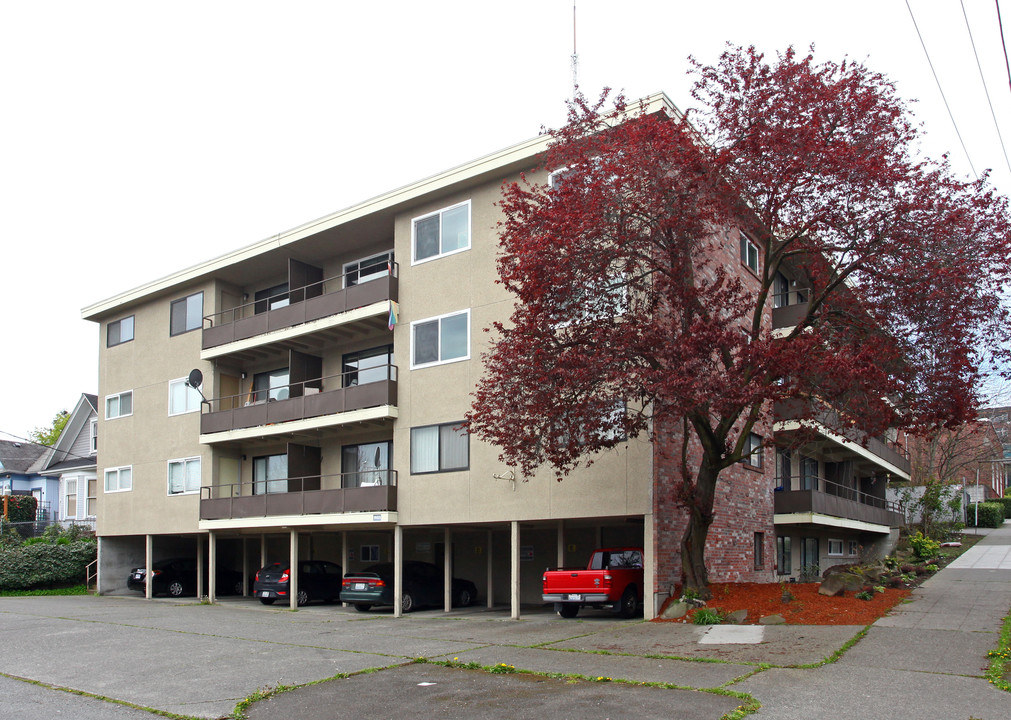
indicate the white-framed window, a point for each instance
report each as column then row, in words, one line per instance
column 440, row 233
column 749, row 253
column 184, row 476
column 182, row 398
column 439, row 448
column 752, row 453
column 370, row 268
column 440, row 340
column 186, row 314
column 119, row 405
column 835, row 548
column 369, row 553
column 92, row 496
column 854, row 548
column 93, row 441
column 70, row 498
column 119, row 479
column 119, row 332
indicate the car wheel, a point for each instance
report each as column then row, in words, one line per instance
column 407, row 602
column 303, row 597
column 568, row 610
column 629, row 602
column 267, row 601
column 175, row 588
column 237, row 588
column 465, row 598
column 362, row 607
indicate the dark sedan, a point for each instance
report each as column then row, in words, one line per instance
column 423, row 585
column 176, row 577
column 317, row 580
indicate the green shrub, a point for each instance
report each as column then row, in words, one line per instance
column 991, row 514
column 1006, row 502
column 43, row 564
column 707, row 616
column 865, row 595
column 923, row 546
column 22, row 508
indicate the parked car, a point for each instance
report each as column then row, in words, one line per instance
column 612, row 580
column 423, row 585
column 176, row 577
column 317, row 580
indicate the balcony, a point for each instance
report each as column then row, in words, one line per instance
column 831, row 499
column 317, row 301
column 319, row 398
column 793, row 414
column 371, row 491
column 788, row 308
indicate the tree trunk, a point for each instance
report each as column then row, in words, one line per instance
column 694, row 574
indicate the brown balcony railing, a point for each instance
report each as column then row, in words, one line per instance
column 800, row 408
column 788, row 308
column 365, row 491
column 319, row 397
column 305, row 304
column 830, row 498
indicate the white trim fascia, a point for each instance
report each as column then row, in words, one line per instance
column 382, row 412
column 383, row 519
column 787, row 425
column 408, row 194
column 813, row 518
column 375, row 309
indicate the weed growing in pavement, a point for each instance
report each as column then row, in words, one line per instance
column 1000, row 659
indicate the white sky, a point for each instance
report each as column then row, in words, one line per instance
column 139, row 138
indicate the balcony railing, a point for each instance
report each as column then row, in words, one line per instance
column 788, row 308
column 830, row 498
column 365, row 491
column 798, row 409
column 305, row 304
column 319, row 397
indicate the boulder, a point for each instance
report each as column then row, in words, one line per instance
column 772, row 620
column 674, row 610
column 736, row 617
column 832, row 586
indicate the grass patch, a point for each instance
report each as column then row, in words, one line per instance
column 72, row 590
column 1000, row 659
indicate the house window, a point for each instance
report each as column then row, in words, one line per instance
column 119, row 405
column 92, row 496
column 186, row 314
column 272, row 298
column 784, row 555
column 784, row 469
column 835, row 548
column 443, row 232
column 270, row 474
column 366, row 465
column 70, row 499
column 749, row 253
column 369, row 553
column 440, row 340
column 184, row 476
column 808, row 473
column 119, row 332
column 752, row 453
column 810, row 560
column 370, row 268
column 367, row 366
column 759, row 550
column 94, row 437
column 596, row 300
column 182, row 398
column 439, row 448
column 271, row 385
column 118, row 479
column 854, row 548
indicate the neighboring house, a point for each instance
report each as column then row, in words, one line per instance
column 337, row 361
column 20, row 465
column 72, row 461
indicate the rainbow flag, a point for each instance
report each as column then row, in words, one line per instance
column 394, row 312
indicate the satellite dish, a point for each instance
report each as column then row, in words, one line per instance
column 196, row 378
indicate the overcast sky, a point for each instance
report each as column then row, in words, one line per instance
column 140, row 138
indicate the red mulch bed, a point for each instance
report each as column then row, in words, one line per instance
column 807, row 607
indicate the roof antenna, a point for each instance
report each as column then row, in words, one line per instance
column 575, row 56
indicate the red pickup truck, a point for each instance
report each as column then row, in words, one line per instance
column 612, row 581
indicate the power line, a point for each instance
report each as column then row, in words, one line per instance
column 1003, row 44
column 936, row 80
column 986, row 90
column 66, row 454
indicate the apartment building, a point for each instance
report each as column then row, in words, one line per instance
column 336, row 362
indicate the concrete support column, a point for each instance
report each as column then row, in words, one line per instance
column 201, row 590
column 447, row 570
column 245, row 568
column 263, row 549
column 560, row 560
column 148, row 562
column 514, row 569
column 212, row 566
column 344, row 556
column 650, row 597
column 490, row 575
column 398, row 571
column 293, row 571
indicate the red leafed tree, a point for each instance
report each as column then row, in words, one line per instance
column 635, row 314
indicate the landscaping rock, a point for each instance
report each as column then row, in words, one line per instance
column 772, row 620
column 736, row 617
column 833, row 585
column 674, row 610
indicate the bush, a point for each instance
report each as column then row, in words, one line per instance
column 43, row 564
column 923, row 546
column 1006, row 502
column 21, row 508
column 707, row 616
column 991, row 514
